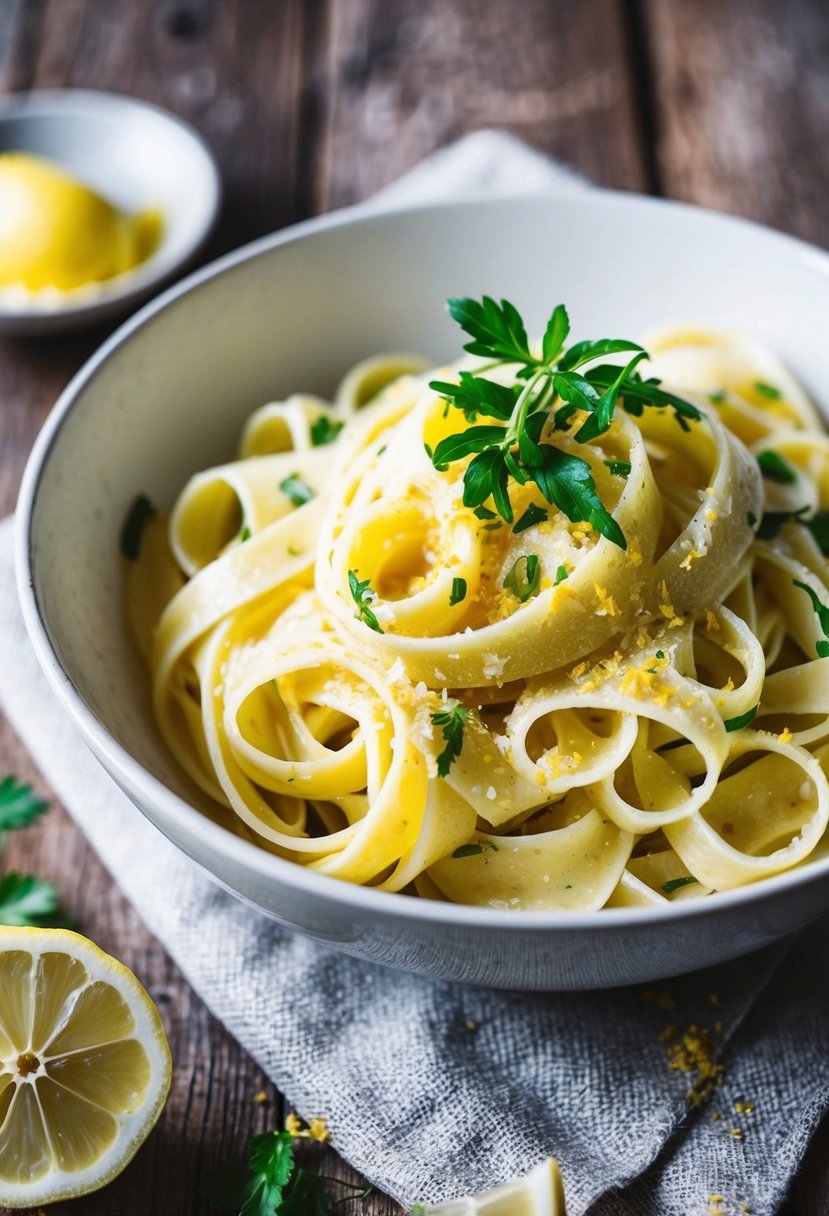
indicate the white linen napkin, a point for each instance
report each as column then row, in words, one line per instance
column 434, row 1090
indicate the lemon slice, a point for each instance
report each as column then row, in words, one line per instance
column 84, row 1066
column 539, row 1193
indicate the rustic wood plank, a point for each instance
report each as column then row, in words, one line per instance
column 743, row 107
column 401, row 80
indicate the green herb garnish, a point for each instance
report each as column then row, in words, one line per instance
column 245, row 534
column 24, row 899
column 732, row 724
column 775, row 468
column 474, row 849
column 452, row 718
column 458, row 592
column 296, row 490
column 818, row 525
column 524, row 577
column 673, row 884
column 363, row 597
column 660, row 654
column 550, row 390
column 19, row 806
column 767, row 390
column 273, row 1184
column 138, row 516
column 773, row 521
column 561, row 575
column 533, row 515
column 822, row 647
column 325, row 430
column 718, row 398
column 620, row 467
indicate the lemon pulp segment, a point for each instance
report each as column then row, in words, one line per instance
column 84, row 1066
column 56, row 232
column 539, row 1193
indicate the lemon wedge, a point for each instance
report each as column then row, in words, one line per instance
column 57, row 233
column 84, row 1066
column 538, row 1193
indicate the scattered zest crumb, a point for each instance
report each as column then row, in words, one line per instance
column 261, row 1098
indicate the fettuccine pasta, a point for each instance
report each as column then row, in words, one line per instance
column 393, row 688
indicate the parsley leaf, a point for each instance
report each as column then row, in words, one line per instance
column 524, row 577
column 732, row 724
column 19, row 807
column 363, row 597
column 775, row 468
column 245, row 534
column 475, row 395
column 25, row 900
column 138, row 516
column 474, row 849
column 561, row 575
column 261, row 1192
column 822, row 647
column 673, row 884
column 567, row 481
column 296, row 490
column 452, row 718
column 458, row 592
column 497, row 330
column 773, row 521
column 620, row 468
column 818, row 525
column 767, row 390
column 533, row 515
column 325, row 430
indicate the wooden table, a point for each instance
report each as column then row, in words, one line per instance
column 313, row 104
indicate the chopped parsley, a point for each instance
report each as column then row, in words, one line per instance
column 296, row 490
column 524, row 577
column 775, row 468
column 767, row 390
column 673, row 884
column 363, row 597
column 561, row 574
column 821, row 646
column 620, row 467
column 474, row 849
column 458, row 592
column 325, row 430
column 533, row 515
column 245, row 534
column 452, row 717
column 732, row 724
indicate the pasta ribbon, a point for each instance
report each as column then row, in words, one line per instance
column 389, row 686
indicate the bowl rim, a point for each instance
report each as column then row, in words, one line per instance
column 156, row 269
column 117, row 760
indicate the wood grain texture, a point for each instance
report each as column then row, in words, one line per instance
column 401, row 79
column 742, row 107
column 311, row 104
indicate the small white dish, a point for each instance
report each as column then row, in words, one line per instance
column 167, row 395
column 137, row 157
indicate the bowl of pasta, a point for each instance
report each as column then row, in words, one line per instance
column 487, row 640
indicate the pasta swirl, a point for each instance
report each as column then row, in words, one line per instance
column 390, row 686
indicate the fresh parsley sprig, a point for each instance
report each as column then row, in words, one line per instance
column 363, row 597
column 451, row 717
column 19, row 805
column 24, row 899
column 549, row 390
column 822, row 613
column 273, row 1184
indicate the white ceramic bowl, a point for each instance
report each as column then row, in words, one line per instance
column 135, row 155
column 166, row 396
